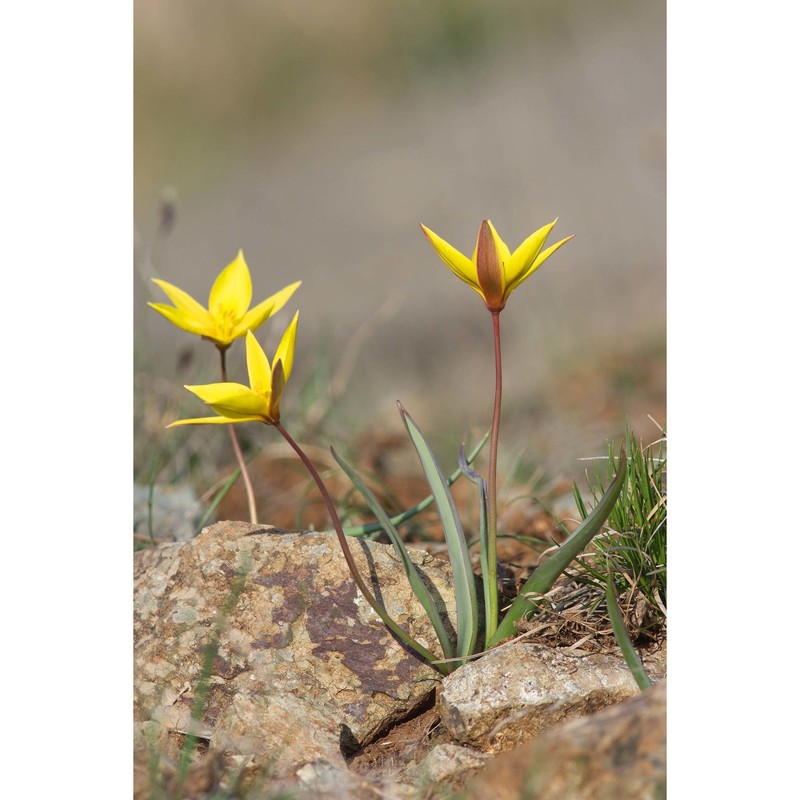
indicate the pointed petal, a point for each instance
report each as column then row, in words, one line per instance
column 545, row 254
column 540, row 259
column 526, row 253
column 212, row 392
column 185, row 302
column 285, row 351
column 213, row 421
column 258, row 367
column 232, row 290
column 255, row 407
column 489, row 265
column 459, row 264
column 278, row 385
column 259, row 314
column 184, row 321
column 231, row 399
column 502, row 247
column 195, row 318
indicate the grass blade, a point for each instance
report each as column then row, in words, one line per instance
column 418, row 587
column 546, row 575
column 623, row 639
column 150, row 491
column 218, row 498
column 466, row 594
column 373, row 527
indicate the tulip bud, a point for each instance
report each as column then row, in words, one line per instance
column 489, row 268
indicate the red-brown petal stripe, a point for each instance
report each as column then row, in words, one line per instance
column 490, row 269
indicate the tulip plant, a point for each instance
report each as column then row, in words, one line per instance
column 493, row 272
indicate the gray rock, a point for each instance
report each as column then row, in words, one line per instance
column 305, row 670
column 516, row 691
column 176, row 512
column 617, row 754
column 449, row 763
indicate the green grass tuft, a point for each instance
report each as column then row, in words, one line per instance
column 634, row 547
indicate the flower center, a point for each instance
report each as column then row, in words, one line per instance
column 225, row 319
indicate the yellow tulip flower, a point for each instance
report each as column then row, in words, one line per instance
column 260, row 402
column 494, row 271
column 227, row 316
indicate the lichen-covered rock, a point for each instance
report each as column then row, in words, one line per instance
column 617, row 754
column 304, row 669
column 514, row 692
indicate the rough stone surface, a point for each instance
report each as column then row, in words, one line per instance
column 616, row 754
column 448, row 763
column 305, row 670
column 514, row 692
column 320, row 780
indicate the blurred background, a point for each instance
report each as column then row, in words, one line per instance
column 316, row 136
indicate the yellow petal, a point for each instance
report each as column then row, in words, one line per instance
column 259, row 314
column 524, row 256
column 258, row 367
column 214, row 392
column 183, row 321
column 190, row 316
column 459, row 264
column 285, row 351
column 214, row 421
column 182, row 300
column 545, row 254
column 540, row 259
column 232, row 290
column 232, row 399
column 260, row 410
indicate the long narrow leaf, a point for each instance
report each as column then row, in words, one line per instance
column 373, row 527
column 466, row 594
column 418, row 587
column 546, row 575
column 490, row 602
column 623, row 640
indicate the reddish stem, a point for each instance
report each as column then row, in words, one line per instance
column 348, row 556
column 248, row 484
column 491, row 539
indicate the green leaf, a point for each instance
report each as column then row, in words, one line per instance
column 546, row 575
column 490, row 602
column 373, row 527
column 466, row 594
column 419, row 588
column 623, row 640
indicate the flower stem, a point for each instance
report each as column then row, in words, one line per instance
column 248, row 484
column 348, row 557
column 491, row 538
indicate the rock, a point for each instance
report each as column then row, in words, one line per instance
column 616, row 754
column 176, row 512
column 304, row 670
column 448, row 763
column 518, row 690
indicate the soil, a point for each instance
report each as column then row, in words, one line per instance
column 406, row 743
